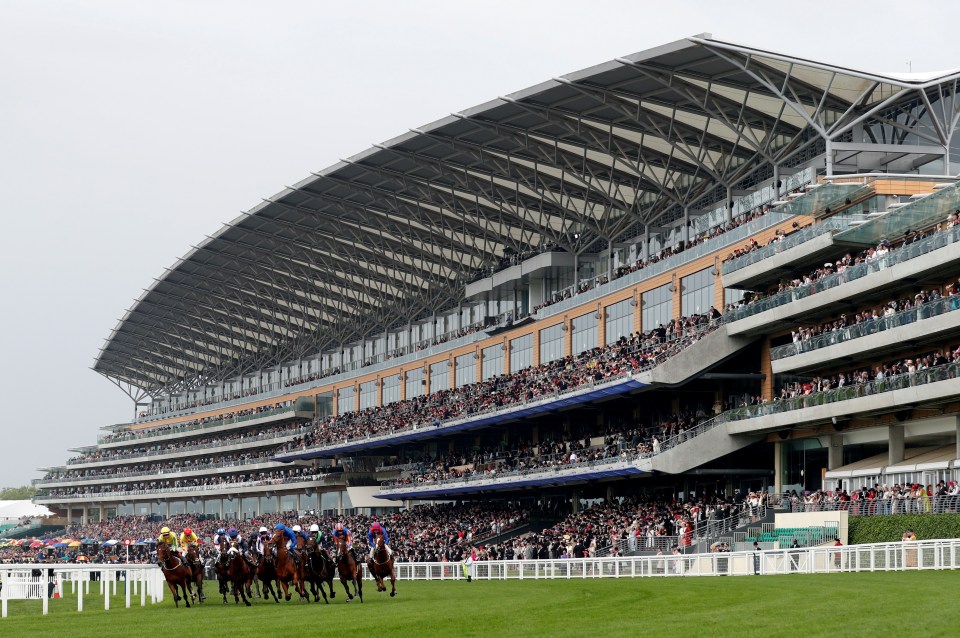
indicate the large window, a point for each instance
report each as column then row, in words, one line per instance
column 492, row 362
column 657, row 306
column 698, row 297
column 415, row 383
column 521, row 353
column 368, row 395
column 439, row 376
column 585, row 332
column 466, row 370
column 391, row 389
column 732, row 296
column 619, row 321
column 551, row 343
column 345, row 400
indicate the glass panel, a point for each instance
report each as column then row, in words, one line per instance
column 657, row 307
column 585, row 332
column 212, row 507
column 492, row 362
column 521, row 353
column 466, row 370
column 697, row 297
column 177, row 507
column 289, row 503
column 345, row 400
column 439, row 376
column 551, row 344
column 368, row 395
column 391, row 389
column 415, row 383
column 195, row 507
column 249, row 507
column 619, row 321
column 919, row 214
column 329, row 501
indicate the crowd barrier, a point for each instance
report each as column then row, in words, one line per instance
column 43, row 582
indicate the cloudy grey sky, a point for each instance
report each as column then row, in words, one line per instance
column 129, row 131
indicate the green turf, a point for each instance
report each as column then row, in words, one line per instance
column 869, row 604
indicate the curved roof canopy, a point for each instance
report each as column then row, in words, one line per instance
column 581, row 161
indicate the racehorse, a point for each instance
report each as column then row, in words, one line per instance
column 267, row 573
column 176, row 572
column 286, row 567
column 381, row 566
column 221, row 568
column 196, row 565
column 318, row 569
column 349, row 569
column 239, row 573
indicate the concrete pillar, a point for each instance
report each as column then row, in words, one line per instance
column 829, row 157
column 728, row 206
column 685, row 229
column 645, row 246
column 84, row 517
column 340, row 502
column 609, row 492
column 895, row 451
column 776, row 182
column 835, row 452
column 101, row 513
column 777, row 467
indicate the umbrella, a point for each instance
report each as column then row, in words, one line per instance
column 110, row 542
column 90, row 541
column 26, row 543
column 73, row 544
column 82, row 559
column 59, row 545
column 36, row 544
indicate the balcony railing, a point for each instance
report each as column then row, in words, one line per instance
column 905, row 253
column 189, row 489
column 161, row 473
column 790, row 241
column 868, row 327
column 184, row 429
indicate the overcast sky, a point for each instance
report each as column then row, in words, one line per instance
column 130, row 130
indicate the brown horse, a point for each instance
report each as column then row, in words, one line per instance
column 286, row 568
column 349, row 570
column 220, row 568
column 267, row 573
column 239, row 573
column 196, row 566
column 176, row 572
column 381, row 566
column 318, row 569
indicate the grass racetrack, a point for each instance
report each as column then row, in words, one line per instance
column 866, row 604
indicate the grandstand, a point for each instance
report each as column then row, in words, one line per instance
column 673, row 282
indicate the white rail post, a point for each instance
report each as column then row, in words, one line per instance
column 80, row 595
column 45, row 591
column 4, row 581
column 141, row 574
column 126, row 587
column 105, row 586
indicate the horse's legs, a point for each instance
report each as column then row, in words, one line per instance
column 187, row 592
column 176, row 595
column 282, row 585
column 393, row 581
column 343, row 580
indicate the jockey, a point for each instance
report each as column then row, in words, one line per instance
column 342, row 531
column 234, row 536
column 299, row 533
column 262, row 537
column 169, row 539
column 219, row 537
column 187, row 537
column 291, row 541
column 376, row 529
column 317, row 534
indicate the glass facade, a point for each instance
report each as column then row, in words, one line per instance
column 521, row 353
column 551, row 343
column 492, row 361
column 345, row 400
column 697, row 297
column 619, row 321
column 657, row 307
column 439, row 376
column 466, row 370
column 416, row 383
column 585, row 328
column 368, row 395
column 391, row 389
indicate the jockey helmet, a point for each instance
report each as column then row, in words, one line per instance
column 233, row 532
column 339, row 527
column 264, row 530
column 165, row 530
column 187, row 531
column 279, row 526
column 314, row 528
column 297, row 528
column 221, row 531
column 376, row 527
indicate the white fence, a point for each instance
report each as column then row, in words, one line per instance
column 934, row 554
column 20, row 583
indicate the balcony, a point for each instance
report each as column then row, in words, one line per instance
column 897, row 332
column 223, row 467
column 920, row 263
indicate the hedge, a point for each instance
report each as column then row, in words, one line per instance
column 888, row 529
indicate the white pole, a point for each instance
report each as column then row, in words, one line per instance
column 45, row 591
column 4, row 594
column 106, row 590
column 80, row 596
column 143, row 590
column 126, row 587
